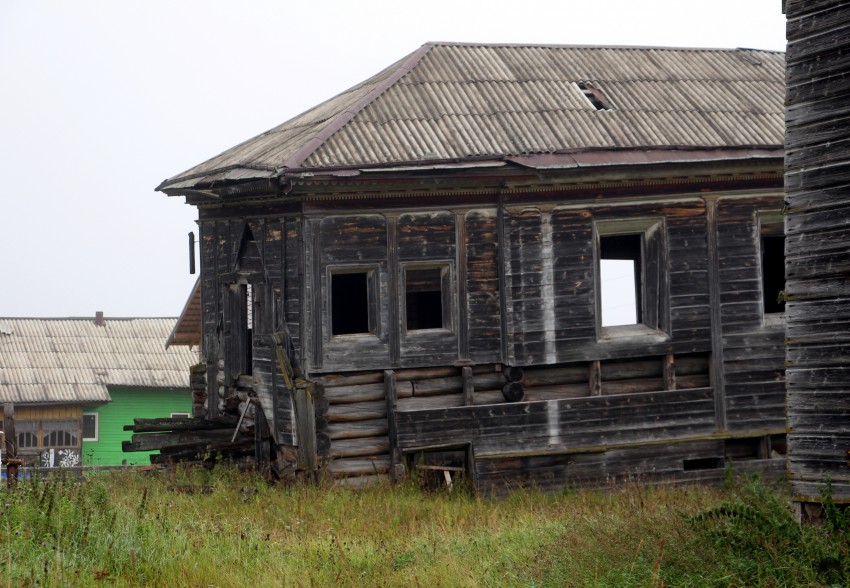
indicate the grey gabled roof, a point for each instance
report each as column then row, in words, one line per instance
column 449, row 101
column 75, row 360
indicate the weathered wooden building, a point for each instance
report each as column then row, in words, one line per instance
column 427, row 250
column 817, row 225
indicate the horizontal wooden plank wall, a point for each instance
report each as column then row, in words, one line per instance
column 640, row 405
column 551, row 285
column 817, row 179
column 753, row 346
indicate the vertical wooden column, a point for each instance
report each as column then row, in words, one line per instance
column 502, row 246
column 396, row 298
column 669, row 370
column 716, row 367
column 468, row 386
column 317, row 318
column 391, row 396
column 462, row 276
column 595, row 378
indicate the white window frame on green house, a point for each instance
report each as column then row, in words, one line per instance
column 96, row 426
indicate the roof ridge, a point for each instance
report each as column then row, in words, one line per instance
column 310, row 147
column 592, row 46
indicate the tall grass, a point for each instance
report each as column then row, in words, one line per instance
column 224, row 528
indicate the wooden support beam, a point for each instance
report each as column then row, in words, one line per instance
column 595, row 378
column 391, row 400
column 717, row 376
column 669, row 369
column 468, row 386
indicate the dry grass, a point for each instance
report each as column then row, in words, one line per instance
column 134, row 530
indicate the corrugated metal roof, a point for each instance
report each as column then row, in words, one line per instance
column 455, row 101
column 74, row 360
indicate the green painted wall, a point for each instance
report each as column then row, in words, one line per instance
column 128, row 404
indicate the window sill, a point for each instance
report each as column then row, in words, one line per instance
column 632, row 334
column 774, row 319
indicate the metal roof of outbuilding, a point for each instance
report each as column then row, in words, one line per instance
column 452, row 101
column 74, row 360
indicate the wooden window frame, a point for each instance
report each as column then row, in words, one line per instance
column 446, row 289
column 654, row 289
column 372, row 272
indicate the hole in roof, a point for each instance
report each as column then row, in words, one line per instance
column 594, row 95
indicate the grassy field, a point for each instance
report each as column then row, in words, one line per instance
column 221, row 528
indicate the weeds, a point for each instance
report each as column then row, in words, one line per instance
column 224, row 528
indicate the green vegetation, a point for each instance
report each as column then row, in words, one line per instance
column 222, row 528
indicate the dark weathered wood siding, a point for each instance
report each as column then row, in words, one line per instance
column 272, row 262
column 753, row 348
column 817, row 252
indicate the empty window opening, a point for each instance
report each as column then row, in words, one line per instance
column 90, row 426
column 620, row 280
column 350, row 303
column 424, row 298
column 773, row 272
column 594, row 96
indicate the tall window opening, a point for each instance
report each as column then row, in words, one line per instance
column 350, row 303
column 772, row 233
column 631, row 284
column 425, row 304
column 620, row 261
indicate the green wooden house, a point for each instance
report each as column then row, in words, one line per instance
column 75, row 383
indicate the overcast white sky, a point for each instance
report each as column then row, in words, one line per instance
column 101, row 101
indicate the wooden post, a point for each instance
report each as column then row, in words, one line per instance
column 391, row 396
column 717, row 377
column 462, row 277
column 305, row 425
column 11, row 445
column 468, row 386
column 669, row 368
column 595, row 378
column 396, row 298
